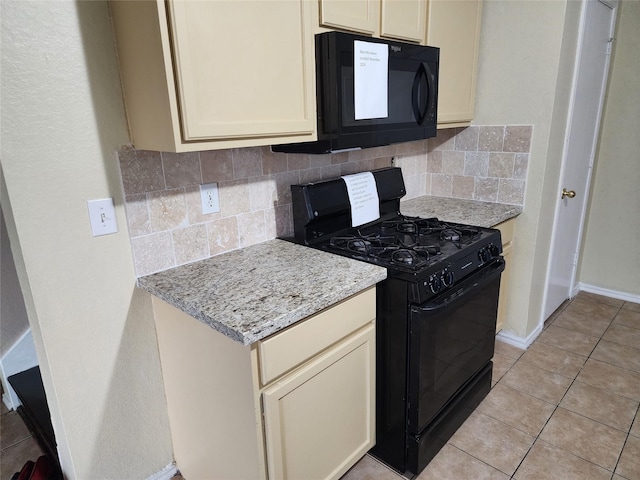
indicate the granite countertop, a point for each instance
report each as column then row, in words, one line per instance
column 253, row 292
column 470, row 212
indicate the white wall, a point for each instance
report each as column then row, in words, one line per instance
column 525, row 64
column 611, row 253
column 13, row 314
column 62, row 122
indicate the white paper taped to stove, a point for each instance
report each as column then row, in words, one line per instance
column 363, row 197
column 370, row 80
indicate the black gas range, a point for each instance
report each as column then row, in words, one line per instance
column 435, row 313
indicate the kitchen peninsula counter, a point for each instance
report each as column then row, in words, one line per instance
column 457, row 210
column 256, row 291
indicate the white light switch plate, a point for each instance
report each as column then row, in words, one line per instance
column 102, row 215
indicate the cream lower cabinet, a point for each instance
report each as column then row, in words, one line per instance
column 299, row 404
column 201, row 75
column 506, row 231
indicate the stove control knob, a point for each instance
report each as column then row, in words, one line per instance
column 484, row 255
column 447, row 278
column 435, row 284
column 495, row 251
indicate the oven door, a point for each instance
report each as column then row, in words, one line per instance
column 451, row 339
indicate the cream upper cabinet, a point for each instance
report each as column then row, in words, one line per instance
column 403, row 19
column 201, row 75
column 399, row 19
column 361, row 16
column 454, row 26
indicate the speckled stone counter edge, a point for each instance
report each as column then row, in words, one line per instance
column 470, row 212
column 251, row 293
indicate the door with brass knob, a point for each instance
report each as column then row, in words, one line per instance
column 597, row 21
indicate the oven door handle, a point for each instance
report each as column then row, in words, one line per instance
column 460, row 291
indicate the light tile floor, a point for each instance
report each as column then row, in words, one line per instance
column 16, row 444
column 565, row 409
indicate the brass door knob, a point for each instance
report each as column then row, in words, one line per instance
column 568, row 193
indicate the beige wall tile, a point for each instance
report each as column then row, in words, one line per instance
column 521, row 166
column 517, row 138
column 467, row 139
column 167, row 209
column 318, row 161
column 476, row 164
column 222, row 235
column 434, row 161
column 263, row 193
column 441, row 185
column 444, row 140
column 190, row 243
column 247, row 162
column 181, row 169
column 332, row 171
column 381, row 162
column 216, row 166
column 153, row 253
column 491, row 139
column 310, row 175
column 234, row 197
column 141, row 171
column 251, row 228
column 486, row 189
column 297, row 161
column 341, row 157
column 462, row 187
column 283, row 185
column 273, row 162
column 511, row 191
column 138, row 215
column 453, row 162
column 501, row 164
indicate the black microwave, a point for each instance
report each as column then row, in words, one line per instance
column 371, row 92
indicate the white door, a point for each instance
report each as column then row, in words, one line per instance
column 592, row 66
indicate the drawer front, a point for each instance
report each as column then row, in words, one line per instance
column 289, row 348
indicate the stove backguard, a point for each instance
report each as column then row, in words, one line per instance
column 322, row 209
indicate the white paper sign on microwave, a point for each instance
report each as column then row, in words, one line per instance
column 370, row 80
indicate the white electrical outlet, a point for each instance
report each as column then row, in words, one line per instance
column 102, row 215
column 209, row 198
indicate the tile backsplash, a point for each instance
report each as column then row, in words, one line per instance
column 167, row 227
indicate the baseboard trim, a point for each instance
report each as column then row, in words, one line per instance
column 520, row 342
column 627, row 297
column 20, row 357
column 165, row 474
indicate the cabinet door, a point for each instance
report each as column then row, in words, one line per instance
column 319, row 421
column 404, row 19
column 360, row 16
column 244, row 69
column 454, row 26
